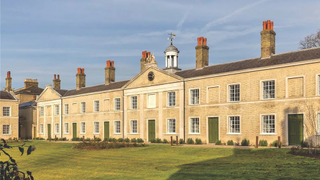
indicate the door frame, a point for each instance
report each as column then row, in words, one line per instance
column 109, row 127
column 287, row 124
column 155, row 128
column 207, row 127
column 76, row 129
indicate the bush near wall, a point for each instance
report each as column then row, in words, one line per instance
column 230, row 142
column 190, row 141
column 263, row 143
column 198, row 141
column 181, row 141
column 245, row 142
column 218, row 142
column 105, row 145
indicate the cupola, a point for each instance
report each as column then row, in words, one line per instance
column 171, row 56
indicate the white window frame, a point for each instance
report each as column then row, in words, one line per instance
column 191, row 124
column 9, row 130
column 229, row 124
column 94, row 127
column 56, row 110
column 317, row 84
column 116, row 127
column 83, row 107
column 132, row 129
column 191, row 96
column 82, row 129
column 41, row 111
column 41, row 129
column 262, row 97
column 96, row 107
column 171, row 103
column 229, row 94
column 132, row 105
column 56, row 125
column 66, row 128
column 318, row 124
column 169, row 128
column 262, row 124
column 66, row 109
column 116, row 101
column 9, row 113
column 155, row 101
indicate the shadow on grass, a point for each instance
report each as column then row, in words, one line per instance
column 252, row 164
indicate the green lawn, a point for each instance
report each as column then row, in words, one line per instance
column 60, row 161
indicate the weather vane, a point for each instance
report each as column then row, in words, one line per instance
column 171, row 36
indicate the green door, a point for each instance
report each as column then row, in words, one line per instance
column 106, row 130
column 295, row 129
column 49, row 131
column 74, row 130
column 151, row 130
column 213, row 129
column 34, row 132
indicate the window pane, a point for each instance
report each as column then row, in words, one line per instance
column 234, row 92
column 117, row 104
column 234, row 124
column 5, row 129
column 6, row 111
column 41, row 128
column 194, row 125
column 195, row 96
column 96, row 106
column 268, row 89
column 66, row 128
column 83, row 127
column 134, row 102
column 66, row 109
column 268, row 124
column 41, row 111
column 96, row 127
column 83, row 107
column 171, row 99
column 134, row 126
column 171, row 125
column 117, row 126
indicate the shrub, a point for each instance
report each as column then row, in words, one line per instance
column 120, row 140
column 127, row 140
column 218, row 142
column 245, row 142
column 87, row 139
column 165, row 141
column 106, row 139
column 304, row 144
column 174, row 141
column 158, row 140
column 190, row 141
column 198, row 141
column 98, row 139
column 140, row 140
column 41, row 138
column 181, row 141
column 230, row 142
column 133, row 140
column 275, row 143
column 152, row 140
column 263, row 143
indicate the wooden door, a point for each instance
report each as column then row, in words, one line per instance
column 151, row 130
column 295, row 129
column 213, row 128
column 49, row 131
column 74, row 130
column 106, row 130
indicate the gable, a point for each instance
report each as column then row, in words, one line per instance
column 160, row 77
column 48, row 94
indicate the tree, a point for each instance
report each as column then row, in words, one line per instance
column 9, row 169
column 310, row 41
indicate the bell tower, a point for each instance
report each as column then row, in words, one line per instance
column 171, row 56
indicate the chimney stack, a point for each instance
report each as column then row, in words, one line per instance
column 80, row 79
column 143, row 60
column 268, row 44
column 109, row 72
column 8, row 82
column 56, row 82
column 30, row 83
column 202, row 53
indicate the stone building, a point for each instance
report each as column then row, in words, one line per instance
column 9, row 115
column 269, row 96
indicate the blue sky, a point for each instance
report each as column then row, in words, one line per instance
column 41, row 38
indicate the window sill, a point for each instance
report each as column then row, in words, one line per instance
column 6, row 134
column 133, row 133
column 194, row 134
column 56, row 133
column 234, row 133
column 96, row 133
column 267, row 99
column 82, row 133
column 116, row 133
column 171, row 133
column 194, row 104
column 268, row 134
column 65, row 133
column 233, row 101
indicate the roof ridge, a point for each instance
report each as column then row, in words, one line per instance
column 99, row 85
column 307, row 49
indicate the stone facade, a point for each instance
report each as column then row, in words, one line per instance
column 9, row 123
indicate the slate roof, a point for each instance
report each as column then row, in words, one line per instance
column 276, row 59
column 97, row 88
column 61, row 91
column 29, row 103
column 6, row 95
column 30, row 90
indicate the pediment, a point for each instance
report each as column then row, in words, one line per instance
column 48, row 94
column 160, row 76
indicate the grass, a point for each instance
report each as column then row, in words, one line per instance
column 60, row 161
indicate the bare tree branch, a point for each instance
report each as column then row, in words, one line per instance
column 310, row 41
